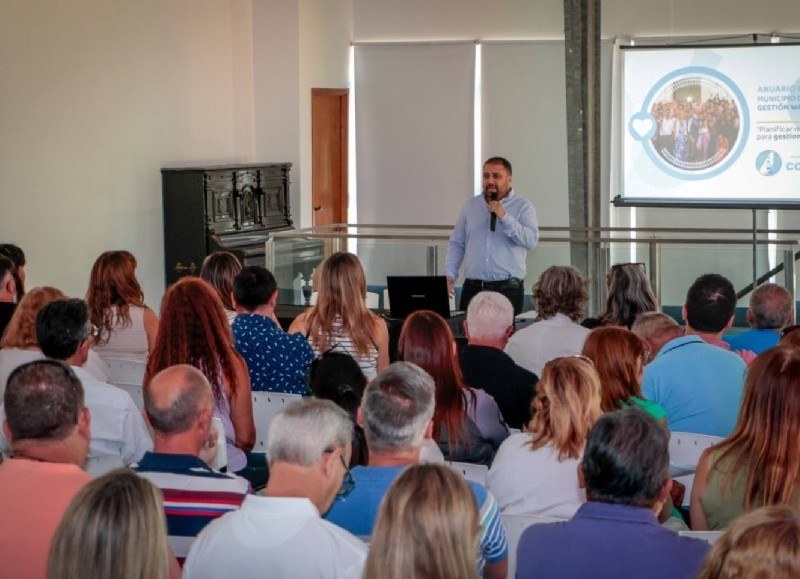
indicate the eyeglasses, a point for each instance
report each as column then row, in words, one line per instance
column 348, row 482
column 617, row 266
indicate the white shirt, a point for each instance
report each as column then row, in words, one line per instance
column 13, row 358
column 534, row 482
column 544, row 340
column 278, row 538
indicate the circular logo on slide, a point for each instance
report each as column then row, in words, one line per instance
column 768, row 163
column 693, row 123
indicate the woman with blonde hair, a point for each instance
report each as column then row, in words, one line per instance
column 758, row 464
column 763, row 544
column 427, row 528
column 536, row 472
column 219, row 270
column 126, row 326
column 194, row 331
column 19, row 344
column 114, row 527
column 629, row 294
column 341, row 320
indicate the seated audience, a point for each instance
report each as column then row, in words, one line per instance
column 219, row 269
column 127, row 327
column 114, row 527
column 281, row 533
column 490, row 322
column 771, row 309
column 48, row 427
column 618, row 356
column 467, row 423
column 629, row 294
column 8, row 292
column 764, row 544
column 560, row 296
column 536, row 472
column 20, row 345
column 427, row 527
column 396, row 414
column 337, row 377
column 118, row 428
column 193, row 330
column 655, row 329
column 615, row 535
column 17, row 257
column 756, row 465
column 698, row 384
column 179, row 405
column 341, row 319
column 276, row 361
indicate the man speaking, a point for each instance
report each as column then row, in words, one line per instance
column 492, row 236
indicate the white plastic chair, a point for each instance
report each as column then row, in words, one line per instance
column 372, row 300
column 515, row 525
column 386, row 305
column 265, row 406
column 474, row 472
column 129, row 376
column 709, row 537
column 686, row 448
column 221, row 457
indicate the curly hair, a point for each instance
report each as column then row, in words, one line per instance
column 561, row 289
column 113, row 288
column 21, row 330
column 194, row 330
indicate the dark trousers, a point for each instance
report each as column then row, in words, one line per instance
column 511, row 288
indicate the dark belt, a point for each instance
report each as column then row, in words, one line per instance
column 510, row 283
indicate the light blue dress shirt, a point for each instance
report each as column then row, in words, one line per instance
column 492, row 255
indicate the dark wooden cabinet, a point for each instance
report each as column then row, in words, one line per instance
column 232, row 207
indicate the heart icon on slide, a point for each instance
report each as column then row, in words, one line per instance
column 642, row 126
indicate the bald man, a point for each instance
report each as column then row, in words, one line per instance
column 179, row 405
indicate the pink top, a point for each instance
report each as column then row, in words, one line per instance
column 33, row 498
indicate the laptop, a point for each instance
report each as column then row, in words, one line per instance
column 408, row 294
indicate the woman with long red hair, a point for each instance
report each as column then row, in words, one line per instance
column 195, row 331
column 467, row 423
column 127, row 327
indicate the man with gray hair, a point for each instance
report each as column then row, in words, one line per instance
column 490, row 323
column 179, row 405
column 397, row 413
column 771, row 309
column 654, row 330
column 281, row 533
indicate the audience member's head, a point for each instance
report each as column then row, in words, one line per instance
column 771, row 307
column 64, row 331
column 21, row 330
column 629, row 294
column 427, row 527
column 219, row 269
column 618, row 356
column 113, row 288
column 710, row 303
column 308, row 447
column 114, row 527
column 254, row 287
column 654, row 330
column 626, row 460
column 763, row 544
column 561, row 289
column 8, row 288
column 397, row 408
column 566, row 405
column 45, row 415
column 17, row 257
column 790, row 337
column 490, row 319
column 179, row 404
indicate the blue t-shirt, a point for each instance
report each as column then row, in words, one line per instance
column 755, row 340
column 276, row 361
column 357, row 511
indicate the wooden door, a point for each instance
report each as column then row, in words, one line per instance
column 329, row 122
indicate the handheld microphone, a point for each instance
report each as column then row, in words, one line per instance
column 493, row 218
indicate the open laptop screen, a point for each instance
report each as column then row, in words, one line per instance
column 408, row 294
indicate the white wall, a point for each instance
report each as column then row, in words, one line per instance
column 95, row 98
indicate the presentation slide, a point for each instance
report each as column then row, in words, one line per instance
column 711, row 125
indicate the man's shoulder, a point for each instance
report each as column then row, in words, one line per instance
column 183, row 472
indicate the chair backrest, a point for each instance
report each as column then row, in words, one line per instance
column 265, row 406
column 709, row 537
column 372, row 300
column 221, row 457
column 686, row 448
column 474, row 472
column 99, row 465
column 129, row 376
column 515, row 525
column 386, row 304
